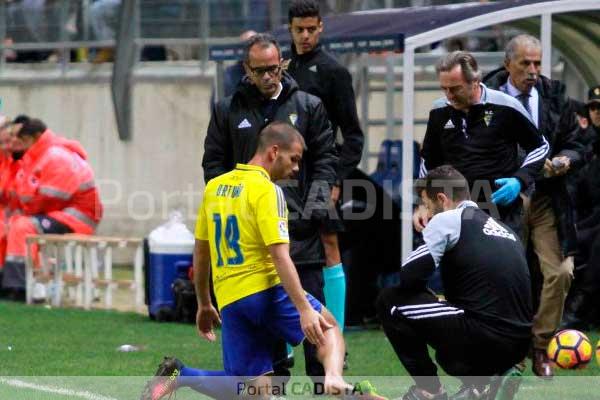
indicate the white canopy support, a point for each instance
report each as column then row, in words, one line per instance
column 546, row 35
column 543, row 9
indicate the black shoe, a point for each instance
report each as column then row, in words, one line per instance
column 164, row 381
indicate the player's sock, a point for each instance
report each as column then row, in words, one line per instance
column 215, row 384
column 335, row 292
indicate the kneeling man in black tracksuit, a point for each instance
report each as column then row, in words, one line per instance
column 483, row 327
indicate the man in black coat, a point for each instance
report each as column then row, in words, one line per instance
column 549, row 224
column 318, row 73
column 270, row 94
column 483, row 326
column 582, row 308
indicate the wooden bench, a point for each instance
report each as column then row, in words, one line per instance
column 72, row 261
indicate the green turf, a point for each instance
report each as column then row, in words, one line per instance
column 49, row 342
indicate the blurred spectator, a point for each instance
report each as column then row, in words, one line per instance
column 5, row 158
column 56, row 188
column 104, row 16
column 27, row 22
column 234, row 73
column 582, row 308
column 586, row 135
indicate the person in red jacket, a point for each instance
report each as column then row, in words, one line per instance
column 56, row 189
column 5, row 168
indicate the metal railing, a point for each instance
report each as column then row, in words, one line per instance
column 38, row 30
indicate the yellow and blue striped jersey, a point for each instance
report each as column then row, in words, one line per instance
column 242, row 213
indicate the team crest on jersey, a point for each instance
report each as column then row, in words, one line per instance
column 487, row 117
column 293, row 118
column 283, row 230
column 492, row 228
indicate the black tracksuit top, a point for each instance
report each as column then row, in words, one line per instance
column 483, row 143
column 319, row 74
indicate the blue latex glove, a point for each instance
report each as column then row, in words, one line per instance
column 508, row 191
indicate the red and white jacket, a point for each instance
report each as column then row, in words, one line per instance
column 55, row 179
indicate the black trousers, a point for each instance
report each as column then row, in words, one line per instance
column 312, row 282
column 464, row 347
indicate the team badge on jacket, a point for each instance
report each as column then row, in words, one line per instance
column 487, row 118
column 293, row 118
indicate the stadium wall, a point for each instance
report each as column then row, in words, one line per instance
column 159, row 169
column 141, row 180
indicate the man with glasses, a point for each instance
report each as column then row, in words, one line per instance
column 267, row 94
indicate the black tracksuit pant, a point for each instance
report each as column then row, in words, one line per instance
column 464, row 346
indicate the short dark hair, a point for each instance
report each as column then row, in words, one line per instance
column 444, row 179
column 21, row 119
column 468, row 64
column 263, row 40
column 32, row 127
column 279, row 133
column 304, row 9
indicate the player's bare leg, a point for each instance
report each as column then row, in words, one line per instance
column 331, row 355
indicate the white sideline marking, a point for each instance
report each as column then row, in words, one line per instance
column 55, row 390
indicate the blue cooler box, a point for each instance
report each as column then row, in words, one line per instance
column 167, row 260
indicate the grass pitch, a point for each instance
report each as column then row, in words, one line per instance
column 49, row 353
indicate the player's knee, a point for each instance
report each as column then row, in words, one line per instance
column 329, row 317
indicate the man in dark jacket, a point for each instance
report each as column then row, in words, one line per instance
column 581, row 310
column 483, row 326
column 548, row 216
column 318, row 73
column 477, row 130
column 269, row 94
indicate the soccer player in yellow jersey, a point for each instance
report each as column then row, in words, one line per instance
column 242, row 234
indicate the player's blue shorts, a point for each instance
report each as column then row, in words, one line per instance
column 251, row 324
